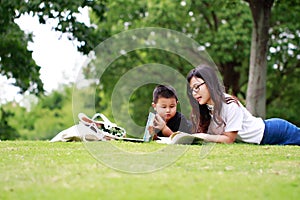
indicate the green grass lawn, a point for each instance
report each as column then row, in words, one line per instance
column 44, row 170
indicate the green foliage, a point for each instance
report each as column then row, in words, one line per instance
column 53, row 101
column 139, row 102
column 15, row 59
column 284, row 101
column 224, row 29
column 7, row 132
column 283, row 62
column 48, row 117
column 213, row 25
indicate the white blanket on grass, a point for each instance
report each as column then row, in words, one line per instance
column 78, row 132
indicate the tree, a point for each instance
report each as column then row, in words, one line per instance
column 222, row 28
column 50, row 115
column 15, row 59
column 256, row 92
column 283, row 84
column 211, row 23
column 7, row 131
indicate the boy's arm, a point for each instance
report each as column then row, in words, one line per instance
column 166, row 131
column 161, row 125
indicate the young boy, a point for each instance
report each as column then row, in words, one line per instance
column 167, row 119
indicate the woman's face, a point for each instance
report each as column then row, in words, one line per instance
column 200, row 91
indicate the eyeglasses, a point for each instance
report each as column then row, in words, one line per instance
column 196, row 88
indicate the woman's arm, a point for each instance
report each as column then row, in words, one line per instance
column 227, row 137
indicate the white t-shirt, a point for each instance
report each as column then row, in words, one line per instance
column 238, row 118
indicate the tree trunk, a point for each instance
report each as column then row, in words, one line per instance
column 230, row 77
column 256, row 92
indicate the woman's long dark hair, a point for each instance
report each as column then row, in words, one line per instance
column 200, row 116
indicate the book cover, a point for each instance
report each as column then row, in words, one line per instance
column 147, row 135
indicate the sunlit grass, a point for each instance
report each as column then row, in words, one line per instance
column 43, row 170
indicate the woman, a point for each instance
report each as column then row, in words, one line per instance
column 220, row 117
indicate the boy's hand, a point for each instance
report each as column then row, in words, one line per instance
column 159, row 122
column 151, row 130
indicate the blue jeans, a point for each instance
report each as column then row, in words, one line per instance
column 282, row 132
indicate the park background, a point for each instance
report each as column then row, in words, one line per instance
column 222, row 28
column 31, row 167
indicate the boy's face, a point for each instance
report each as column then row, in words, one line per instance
column 165, row 107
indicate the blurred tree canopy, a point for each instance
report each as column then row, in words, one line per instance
column 43, row 119
column 15, row 59
column 222, row 28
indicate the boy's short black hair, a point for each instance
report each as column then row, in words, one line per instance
column 164, row 91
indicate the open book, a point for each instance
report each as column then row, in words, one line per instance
column 181, row 138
